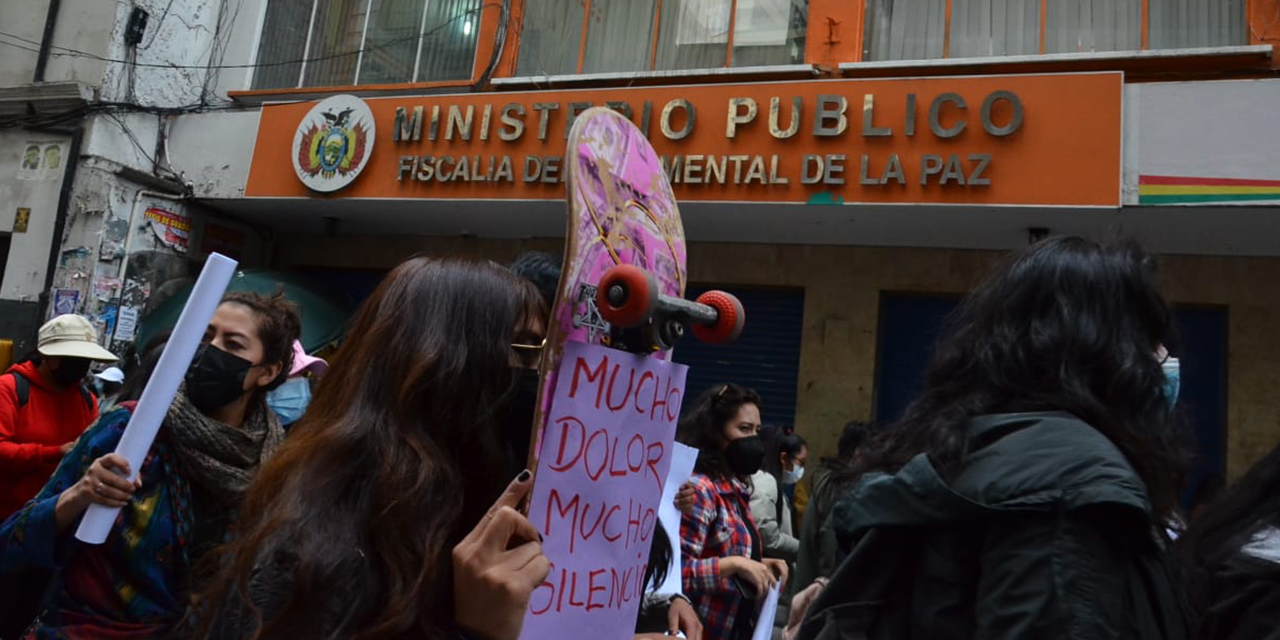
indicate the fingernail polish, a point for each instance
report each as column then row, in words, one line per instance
column 540, row 540
column 524, row 476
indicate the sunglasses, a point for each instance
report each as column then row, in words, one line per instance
column 529, row 355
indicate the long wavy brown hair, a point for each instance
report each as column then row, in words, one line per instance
column 398, row 455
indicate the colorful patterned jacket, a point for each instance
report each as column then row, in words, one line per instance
column 718, row 526
column 135, row 585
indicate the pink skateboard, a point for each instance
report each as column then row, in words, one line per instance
column 623, row 279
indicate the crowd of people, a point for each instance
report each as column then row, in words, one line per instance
column 1031, row 490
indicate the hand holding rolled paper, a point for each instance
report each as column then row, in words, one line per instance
column 163, row 385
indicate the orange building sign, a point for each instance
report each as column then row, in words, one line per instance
column 1039, row 140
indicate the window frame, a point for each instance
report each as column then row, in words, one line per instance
column 1144, row 11
column 364, row 38
column 654, row 39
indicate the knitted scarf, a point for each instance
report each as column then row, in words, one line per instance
column 219, row 457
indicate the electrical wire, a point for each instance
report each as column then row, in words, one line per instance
column 156, row 30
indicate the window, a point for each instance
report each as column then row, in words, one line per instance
column 318, row 43
column 926, row 29
column 595, row 36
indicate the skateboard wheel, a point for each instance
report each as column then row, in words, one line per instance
column 728, row 324
column 627, row 295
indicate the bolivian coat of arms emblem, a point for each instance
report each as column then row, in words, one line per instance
column 333, row 143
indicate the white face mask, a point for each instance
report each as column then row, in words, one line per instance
column 793, row 476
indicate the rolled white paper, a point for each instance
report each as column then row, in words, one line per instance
column 163, row 385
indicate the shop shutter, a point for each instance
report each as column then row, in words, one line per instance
column 766, row 357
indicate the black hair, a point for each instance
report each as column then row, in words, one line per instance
column 1066, row 325
column 1228, row 523
column 542, row 269
column 852, row 436
column 779, row 439
column 278, row 325
column 702, row 426
column 660, row 554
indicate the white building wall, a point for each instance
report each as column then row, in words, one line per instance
column 35, row 190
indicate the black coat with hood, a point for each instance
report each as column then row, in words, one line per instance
column 1045, row 532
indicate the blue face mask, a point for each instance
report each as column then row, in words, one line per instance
column 290, row 399
column 1172, row 380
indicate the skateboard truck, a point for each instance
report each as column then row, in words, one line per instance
column 628, row 297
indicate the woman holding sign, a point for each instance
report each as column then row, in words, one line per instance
column 724, row 572
column 365, row 524
column 217, row 431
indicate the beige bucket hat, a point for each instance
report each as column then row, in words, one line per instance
column 72, row 336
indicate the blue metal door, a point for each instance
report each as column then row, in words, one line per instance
column 765, row 357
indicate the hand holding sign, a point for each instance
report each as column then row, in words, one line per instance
column 497, row 566
column 604, row 459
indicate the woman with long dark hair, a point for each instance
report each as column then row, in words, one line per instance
column 358, row 528
column 724, row 571
column 1232, row 558
column 174, row 510
column 1025, row 491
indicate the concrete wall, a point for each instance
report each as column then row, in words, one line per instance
column 83, row 25
column 213, row 151
column 842, row 292
column 36, row 190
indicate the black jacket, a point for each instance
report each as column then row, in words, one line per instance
column 1045, row 533
column 1245, row 593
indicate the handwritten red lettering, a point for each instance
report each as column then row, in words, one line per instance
column 568, row 425
column 656, row 450
column 605, row 375
column 648, row 375
column 631, row 379
column 564, row 510
column 609, row 518
column 573, row 589
column 616, row 587
column 600, row 437
column 550, row 591
column 580, row 367
column 592, row 589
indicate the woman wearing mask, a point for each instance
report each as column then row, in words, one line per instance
column 1024, row 493
column 217, row 432
column 1232, row 558
column 358, row 528
column 724, row 571
column 289, row 401
column 772, row 491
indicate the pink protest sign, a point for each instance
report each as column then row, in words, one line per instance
column 605, row 455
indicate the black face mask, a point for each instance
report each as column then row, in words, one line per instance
column 215, row 378
column 517, row 421
column 745, row 455
column 71, row 371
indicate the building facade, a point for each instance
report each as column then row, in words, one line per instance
column 849, row 168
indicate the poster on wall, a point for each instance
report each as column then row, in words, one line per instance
column 126, row 324
column 21, row 219
column 106, row 323
column 41, row 160
column 65, row 301
column 171, row 229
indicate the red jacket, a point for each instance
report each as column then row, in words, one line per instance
column 31, row 437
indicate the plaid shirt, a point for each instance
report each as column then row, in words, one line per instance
column 719, row 526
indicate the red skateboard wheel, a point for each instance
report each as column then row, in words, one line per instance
column 627, row 295
column 728, row 325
